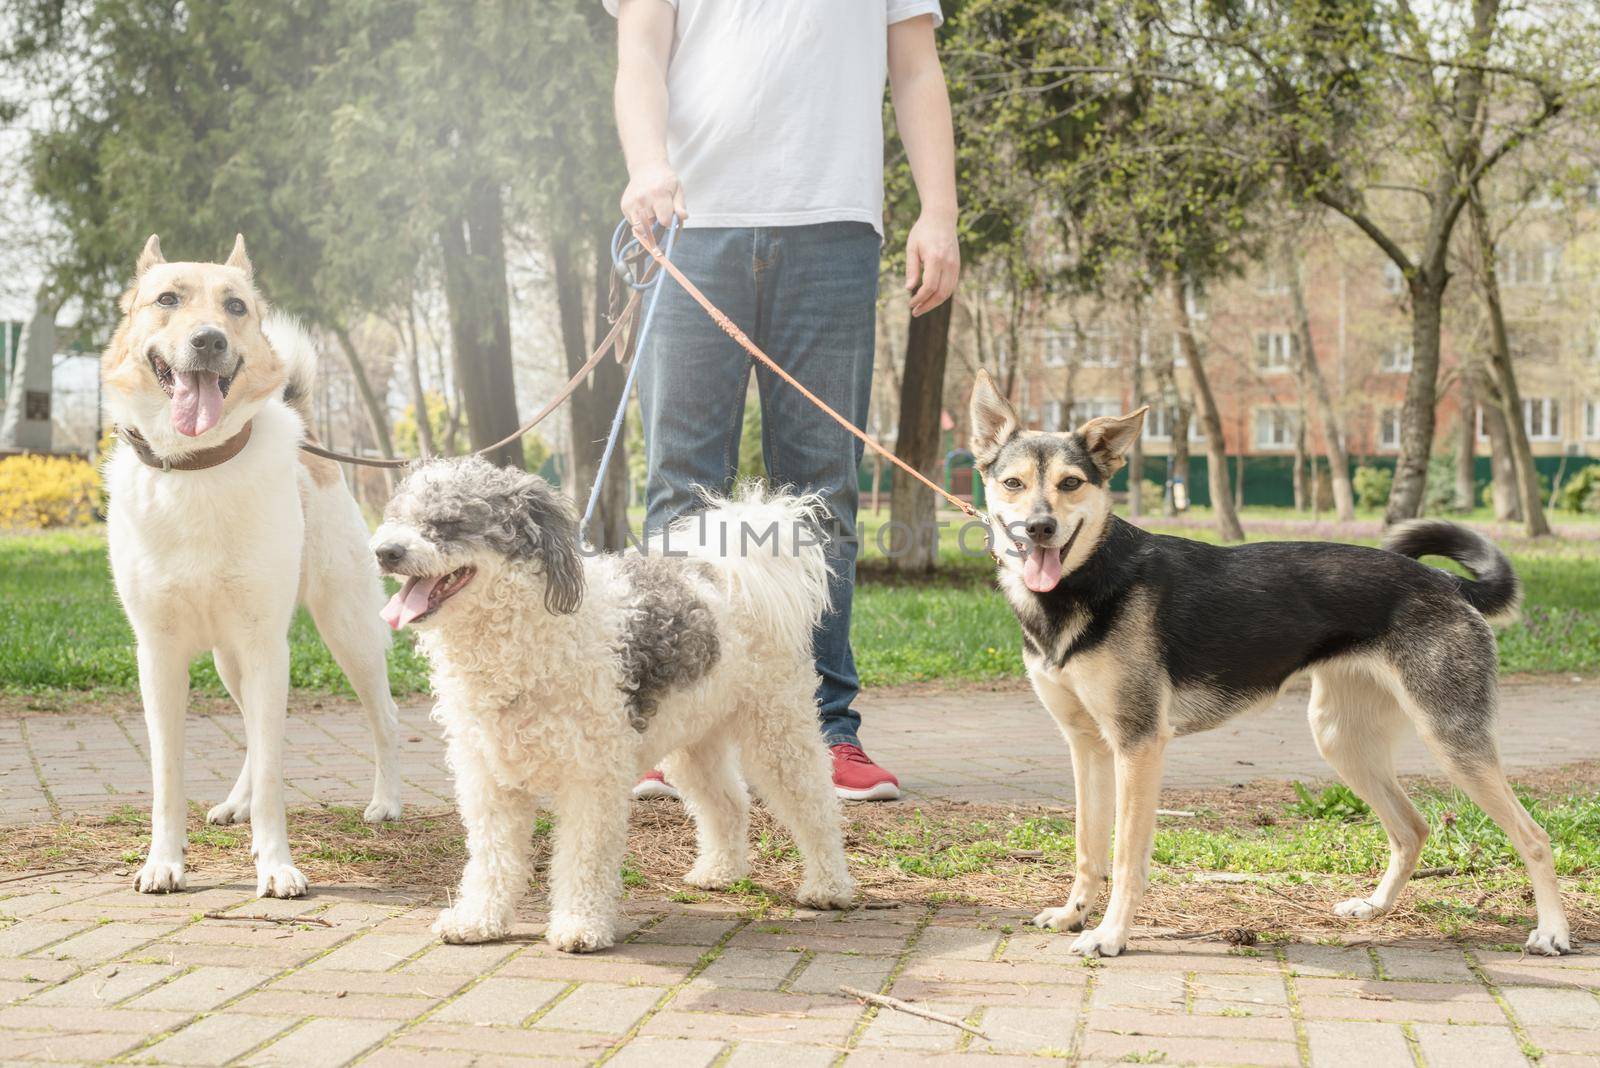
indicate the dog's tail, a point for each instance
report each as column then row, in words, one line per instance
column 299, row 355
column 769, row 547
column 1494, row 588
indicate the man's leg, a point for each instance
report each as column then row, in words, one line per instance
column 691, row 388
column 693, row 379
column 818, row 291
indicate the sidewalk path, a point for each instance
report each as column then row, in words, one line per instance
column 976, row 745
column 93, row 973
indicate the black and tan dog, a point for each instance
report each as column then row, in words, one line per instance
column 1133, row 638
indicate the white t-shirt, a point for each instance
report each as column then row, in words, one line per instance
column 775, row 108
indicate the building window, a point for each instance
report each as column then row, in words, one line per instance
column 1542, row 418
column 1529, row 265
column 1094, row 408
column 1274, row 282
column 1275, row 351
column 1389, row 429
column 1591, row 420
column 1057, row 346
column 1394, row 279
column 1275, row 428
column 1396, row 358
column 1050, row 418
column 1100, row 349
column 1194, row 301
column 1158, row 422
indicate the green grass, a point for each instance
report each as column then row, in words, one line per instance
column 65, row 630
column 1336, row 844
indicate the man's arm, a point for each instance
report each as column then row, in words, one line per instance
column 644, row 42
column 922, row 112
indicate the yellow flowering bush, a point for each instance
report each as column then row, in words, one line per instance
column 47, row 491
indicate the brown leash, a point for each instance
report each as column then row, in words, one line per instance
column 731, row 328
column 606, row 345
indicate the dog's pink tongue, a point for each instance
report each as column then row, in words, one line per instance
column 409, row 602
column 196, row 402
column 1042, row 569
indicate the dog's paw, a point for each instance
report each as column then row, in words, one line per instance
column 579, row 934
column 827, row 893
column 463, row 926
column 1100, row 942
column 382, row 809
column 230, row 811
column 1358, row 908
column 160, row 877
column 714, row 874
column 1549, row 943
column 280, row 880
column 1066, row 918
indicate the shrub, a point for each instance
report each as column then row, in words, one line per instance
column 47, row 491
column 1372, row 485
column 1581, row 492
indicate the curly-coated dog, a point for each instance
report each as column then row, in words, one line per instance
column 567, row 675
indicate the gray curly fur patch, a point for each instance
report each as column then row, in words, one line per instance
column 671, row 637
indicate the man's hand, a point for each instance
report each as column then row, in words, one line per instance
column 653, row 195
column 933, row 262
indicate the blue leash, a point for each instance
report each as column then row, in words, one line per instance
column 640, row 280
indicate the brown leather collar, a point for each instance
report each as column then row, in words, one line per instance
column 215, row 456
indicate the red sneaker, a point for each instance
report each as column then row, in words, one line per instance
column 654, row 785
column 857, row 778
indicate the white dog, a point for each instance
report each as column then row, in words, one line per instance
column 568, row 676
column 218, row 524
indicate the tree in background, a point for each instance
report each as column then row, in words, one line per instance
column 1390, row 115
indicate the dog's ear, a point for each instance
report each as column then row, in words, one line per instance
column 1109, row 438
column 239, row 257
column 550, row 533
column 994, row 421
column 149, row 257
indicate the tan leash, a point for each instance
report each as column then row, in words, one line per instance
column 606, row 345
column 731, row 328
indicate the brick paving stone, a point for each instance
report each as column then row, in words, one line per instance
column 1024, row 1029
column 1332, row 962
column 460, row 960
column 406, row 984
column 1171, row 1049
column 1546, row 1007
column 107, row 941
column 201, row 990
column 690, row 929
column 1259, row 995
column 373, row 953
column 106, row 985
column 1341, row 1043
column 121, row 1020
column 214, row 1040
column 277, row 1002
column 902, row 1031
column 500, row 1001
column 780, row 1055
column 956, row 943
column 322, row 1043
column 548, row 1046
column 28, row 936
column 602, row 1007
column 1570, row 1041
column 1436, row 965
column 1147, row 990
column 1334, row 999
column 1177, row 1023
column 62, row 1045
column 751, row 969
column 1481, row 1047
column 829, row 971
column 667, row 1053
column 830, row 1030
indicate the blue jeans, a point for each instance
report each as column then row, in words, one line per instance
column 808, row 296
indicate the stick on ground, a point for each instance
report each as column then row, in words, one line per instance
column 897, row 1005
column 258, row 918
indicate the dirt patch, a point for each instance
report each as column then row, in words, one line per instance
column 916, row 854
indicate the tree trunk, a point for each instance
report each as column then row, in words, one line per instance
column 911, row 505
column 1344, row 497
column 419, row 398
column 1504, row 491
column 594, row 403
column 1466, row 448
column 1216, row 450
column 1300, row 462
column 1417, row 414
column 377, row 417
column 473, row 253
column 1505, row 375
column 1136, row 452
